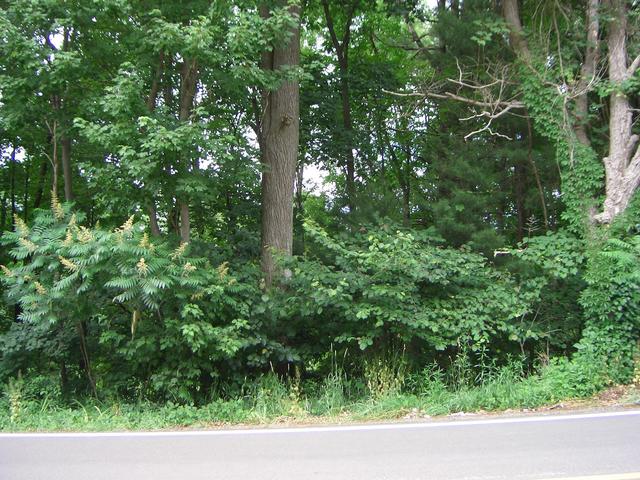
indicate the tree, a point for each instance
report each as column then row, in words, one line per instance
column 279, row 137
column 622, row 161
column 341, row 49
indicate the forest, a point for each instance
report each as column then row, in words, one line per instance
column 233, row 210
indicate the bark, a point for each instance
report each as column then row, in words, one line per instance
column 511, row 13
column 519, row 191
column 67, row 176
column 151, row 106
column 622, row 166
column 185, row 221
column 3, row 211
column 153, row 220
column 53, row 159
column 341, row 49
column 86, row 362
column 587, row 73
column 155, row 84
column 188, row 84
column 280, row 138
column 12, row 186
column 25, row 196
column 455, row 7
column 298, row 247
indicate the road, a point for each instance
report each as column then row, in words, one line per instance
column 548, row 447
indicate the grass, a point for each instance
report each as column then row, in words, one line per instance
column 385, row 392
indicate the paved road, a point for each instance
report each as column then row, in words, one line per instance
column 503, row 448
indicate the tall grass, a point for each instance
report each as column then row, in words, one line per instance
column 385, row 389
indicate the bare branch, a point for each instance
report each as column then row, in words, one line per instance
column 634, row 66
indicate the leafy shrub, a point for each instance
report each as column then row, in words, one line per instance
column 611, row 303
column 142, row 302
column 383, row 288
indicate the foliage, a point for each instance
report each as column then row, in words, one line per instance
column 453, row 266
column 390, row 287
column 612, row 307
column 145, row 301
column 272, row 399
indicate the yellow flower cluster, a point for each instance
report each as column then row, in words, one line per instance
column 144, row 241
column 39, row 288
column 56, row 206
column 68, row 264
column 21, row 226
column 28, row 244
column 178, row 252
column 188, row 268
column 84, row 235
column 142, row 267
column 223, row 269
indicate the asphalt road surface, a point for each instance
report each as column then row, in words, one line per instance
column 606, row 445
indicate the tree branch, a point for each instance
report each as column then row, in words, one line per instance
column 633, row 67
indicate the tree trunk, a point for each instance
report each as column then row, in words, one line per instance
column 25, row 196
column 587, row 73
column 42, row 173
column 536, row 175
column 3, row 211
column 12, row 187
column 53, row 159
column 519, row 191
column 185, row 222
column 153, row 220
column 341, row 49
column 347, row 124
column 511, row 13
column 622, row 166
column 154, row 90
column 65, row 142
column 280, row 138
column 188, row 84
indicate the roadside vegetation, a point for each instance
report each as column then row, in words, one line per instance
column 386, row 392
column 262, row 211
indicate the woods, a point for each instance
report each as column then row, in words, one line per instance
column 199, row 198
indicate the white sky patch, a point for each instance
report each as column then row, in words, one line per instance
column 315, row 180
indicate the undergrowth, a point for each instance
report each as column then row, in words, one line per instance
column 384, row 392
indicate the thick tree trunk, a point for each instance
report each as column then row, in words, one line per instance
column 511, row 14
column 280, row 137
column 622, row 166
column 587, row 73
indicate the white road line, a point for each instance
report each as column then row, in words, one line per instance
column 329, row 429
column 614, row 476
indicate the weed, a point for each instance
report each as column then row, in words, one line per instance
column 15, row 393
